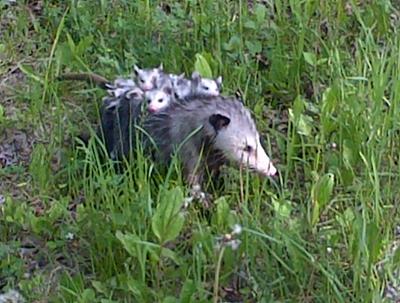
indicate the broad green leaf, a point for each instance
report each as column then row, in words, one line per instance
column 260, row 11
column 168, row 253
column 253, row 46
column 310, row 58
column 168, row 218
column 201, row 65
column 189, row 288
column 304, row 125
column 128, row 241
column 321, row 193
column 374, row 241
column 233, row 44
column 250, row 24
column 170, row 299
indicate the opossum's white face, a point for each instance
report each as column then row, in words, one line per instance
column 206, row 86
column 182, row 86
column 148, row 78
column 242, row 146
column 158, row 99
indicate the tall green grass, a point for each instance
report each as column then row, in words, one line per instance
column 327, row 71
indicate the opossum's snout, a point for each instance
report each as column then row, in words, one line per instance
column 258, row 160
column 147, row 86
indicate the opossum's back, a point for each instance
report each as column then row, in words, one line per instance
column 170, row 127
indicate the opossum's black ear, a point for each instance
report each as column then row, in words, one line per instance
column 136, row 69
column 167, row 90
column 219, row 121
column 196, row 77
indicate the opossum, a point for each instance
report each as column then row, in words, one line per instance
column 148, row 79
column 118, row 119
column 205, row 86
column 197, row 86
column 160, row 98
column 122, row 86
column 205, row 133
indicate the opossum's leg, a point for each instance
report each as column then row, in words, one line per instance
column 194, row 176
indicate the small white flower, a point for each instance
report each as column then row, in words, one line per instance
column 234, row 244
column 69, row 236
column 329, row 250
column 333, row 145
column 237, row 229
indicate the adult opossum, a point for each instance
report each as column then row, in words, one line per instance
column 205, row 133
column 119, row 115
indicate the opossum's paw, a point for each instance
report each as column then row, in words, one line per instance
column 197, row 194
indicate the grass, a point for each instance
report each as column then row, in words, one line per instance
column 322, row 80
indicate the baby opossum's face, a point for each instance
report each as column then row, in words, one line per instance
column 241, row 145
column 205, row 86
column 147, row 78
column 158, row 99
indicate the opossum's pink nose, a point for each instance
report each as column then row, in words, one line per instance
column 270, row 171
column 151, row 109
column 147, row 87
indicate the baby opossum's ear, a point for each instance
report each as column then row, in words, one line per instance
column 167, row 90
column 161, row 67
column 135, row 93
column 219, row 121
column 195, row 75
column 196, row 78
column 136, row 69
column 219, row 80
column 181, row 76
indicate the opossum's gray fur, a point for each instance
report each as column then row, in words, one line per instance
column 119, row 116
column 169, row 128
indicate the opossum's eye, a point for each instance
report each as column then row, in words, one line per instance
column 205, row 87
column 141, row 80
column 248, row 149
column 160, row 100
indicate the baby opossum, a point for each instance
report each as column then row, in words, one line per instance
column 205, row 86
column 148, row 79
column 122, row 86
column 160, row 98
column 197, row 86
column 208, row 131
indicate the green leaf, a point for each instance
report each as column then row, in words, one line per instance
column 2, row 114
column 253, row 47
column 374, row 242
column 310, row 58
column 188, row 290
column 304, row 125
column 260, row 11
column 168, row 220
column 321, row 193
column 396, row 257
column 250, row 24
column 170, row 299
column 201, row 65
column 128, row 241
column 233, row 44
